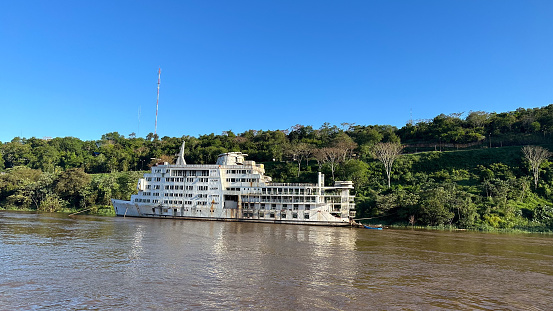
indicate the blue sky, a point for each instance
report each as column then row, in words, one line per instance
column 86, row 68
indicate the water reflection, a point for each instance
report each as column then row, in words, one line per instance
column 51, row 261
column 136, row 248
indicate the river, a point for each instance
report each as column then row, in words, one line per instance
column 58, row 262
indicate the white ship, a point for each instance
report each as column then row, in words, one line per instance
column 234, row 189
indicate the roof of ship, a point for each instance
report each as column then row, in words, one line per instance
column 231, row 158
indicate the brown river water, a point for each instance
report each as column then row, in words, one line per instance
column 57, row 262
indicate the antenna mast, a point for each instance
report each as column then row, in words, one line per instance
column 157, row 101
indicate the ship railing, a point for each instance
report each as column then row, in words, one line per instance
column 279, row 184
column 284, row 193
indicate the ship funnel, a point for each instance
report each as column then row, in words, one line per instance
column 180, row 159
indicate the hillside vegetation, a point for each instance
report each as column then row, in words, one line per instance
column 464, row 170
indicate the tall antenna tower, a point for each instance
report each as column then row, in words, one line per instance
column 157, row 101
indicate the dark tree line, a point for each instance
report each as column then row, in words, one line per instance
column 474, row 126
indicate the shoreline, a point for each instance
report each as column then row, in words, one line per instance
column 108, row 211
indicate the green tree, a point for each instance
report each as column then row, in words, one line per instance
column 356, row 171
column 437, row 206
column 16, row 153
column 70, row 183
column 15, row 185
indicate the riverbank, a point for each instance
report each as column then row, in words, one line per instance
column 107, row 210
column 523, row 230
column 97, row 210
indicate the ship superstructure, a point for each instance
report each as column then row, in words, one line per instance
column 235, row 189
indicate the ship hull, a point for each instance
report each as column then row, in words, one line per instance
column 130, row 209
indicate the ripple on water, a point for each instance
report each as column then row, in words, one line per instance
column 50, row 261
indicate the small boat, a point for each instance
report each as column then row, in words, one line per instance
column 374, row 228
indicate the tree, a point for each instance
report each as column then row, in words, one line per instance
column 437, row 205
column 14, row 186
column 333, row 156
column 477, row 119
column 535, row 155
column 299, row 152
column 319, row 156
column 16, row 153
column 345, row 144
column 70, row 183
column 356, row 171
column 387, row 153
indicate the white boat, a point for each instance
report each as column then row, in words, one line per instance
column 234, row 189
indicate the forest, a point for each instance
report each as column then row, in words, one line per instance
column 474, row 170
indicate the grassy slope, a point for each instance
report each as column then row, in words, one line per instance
column 466, row 159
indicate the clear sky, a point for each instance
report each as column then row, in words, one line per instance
column 86, row 68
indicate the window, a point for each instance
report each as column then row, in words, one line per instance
column 177, row 172
column 306, row 216
column 307, row 207
column 283, row 215
column 295, row 215
column 261, row 214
